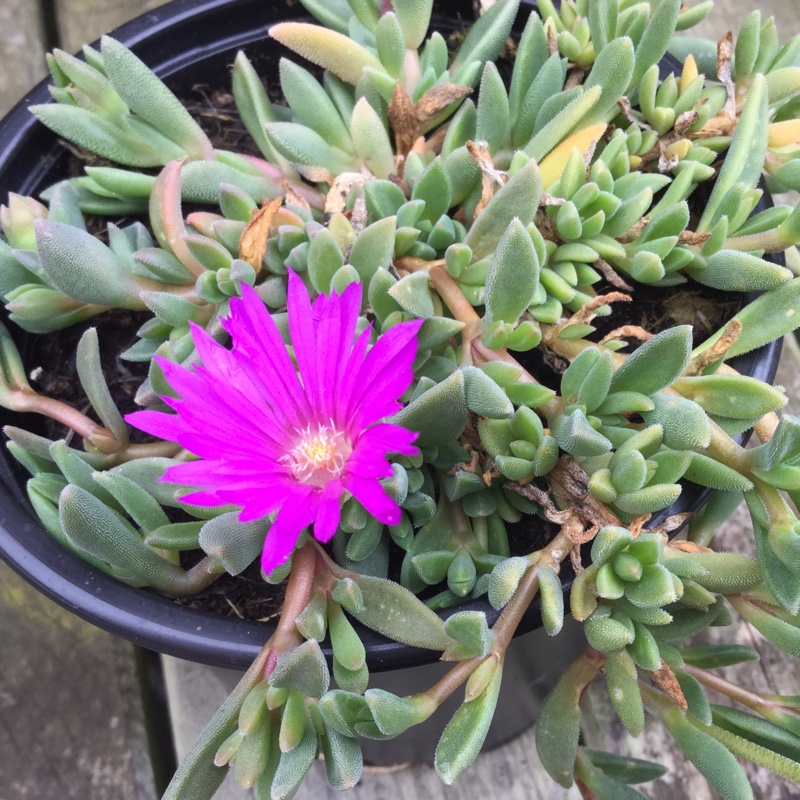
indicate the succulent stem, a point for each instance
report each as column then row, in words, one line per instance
column 97, row 435
column 298, row 592
column 552, row 555
column 731, row 690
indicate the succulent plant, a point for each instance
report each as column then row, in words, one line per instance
column 338, row 342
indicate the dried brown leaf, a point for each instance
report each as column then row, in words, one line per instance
column 437, row 99
column 627, row 112
column 549, row 200
column 403, row 119
column 665, row 679
column 552, row 38
column 635, row 231
column 575, row 77
column 667, row 163
column 585, row 313
column 315, row 174
column 253, row 242
column 693, row 239
column 409, row 120
column 688, row 547
column 489, row 175
column 717, row 350
column 674, row 522
column 637, row 525
column 684, row 122
column 336, row 199
column 292, row 198
column 724, row 56
column 628, row 332
column 611, row 275
column 358, row 218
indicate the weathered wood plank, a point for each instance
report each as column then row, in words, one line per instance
column 71, row 720
column 21, row 50
column 82, row 21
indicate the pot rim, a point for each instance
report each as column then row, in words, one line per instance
column 142, row 617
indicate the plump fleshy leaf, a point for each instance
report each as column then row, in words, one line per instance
column 463, row 737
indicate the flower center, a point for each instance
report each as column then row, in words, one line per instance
column 319, row 455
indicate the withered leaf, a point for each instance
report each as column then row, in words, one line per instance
column 336, row 199
column 409, row 120
column 293, row 198
column 403, row 118
column 489, row 175
column 253, row 244
column 437, row 99
column 665, row 679
column 724, row 57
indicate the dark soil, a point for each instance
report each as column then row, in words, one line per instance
column 53, row 370
column 216, row 114
column 246, row 596
column 656, row 309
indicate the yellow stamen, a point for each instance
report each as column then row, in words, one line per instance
column 320, row 454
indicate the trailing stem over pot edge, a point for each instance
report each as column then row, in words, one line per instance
column 336, row 351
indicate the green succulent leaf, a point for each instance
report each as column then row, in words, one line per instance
column 558, row 726
column 513, row 275
column 745, row 158
column 82, row 267
column 710, row 757
column 439, row 414
column 485, row 39
column 517, row 199
column 197, row 774
column 624, row 768
column 463, row 737
column 656, row 364
column 302, row 669
column 148, row 97
column 395, row 612
column 327, row 48
column 234, row 544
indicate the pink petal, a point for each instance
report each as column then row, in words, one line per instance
column 204, row 498
column 304, row 339
column 242, row 409
column 337, row 317
column 297, row 513
column 256, row 336
column 385, row 373
column 329, row 511
column 156, row 423
column 348, row 379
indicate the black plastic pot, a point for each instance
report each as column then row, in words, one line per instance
column 189, row 42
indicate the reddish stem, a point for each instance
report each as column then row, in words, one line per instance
column 298, row 592
column 100, row 437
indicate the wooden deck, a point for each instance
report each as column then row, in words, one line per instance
column 80, row 716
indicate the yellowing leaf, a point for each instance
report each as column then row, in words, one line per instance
column 689, row 73
column 328, row 49
column 784, row 134
column 553, row 165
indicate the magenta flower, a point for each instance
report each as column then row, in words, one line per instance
column 274, row 438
